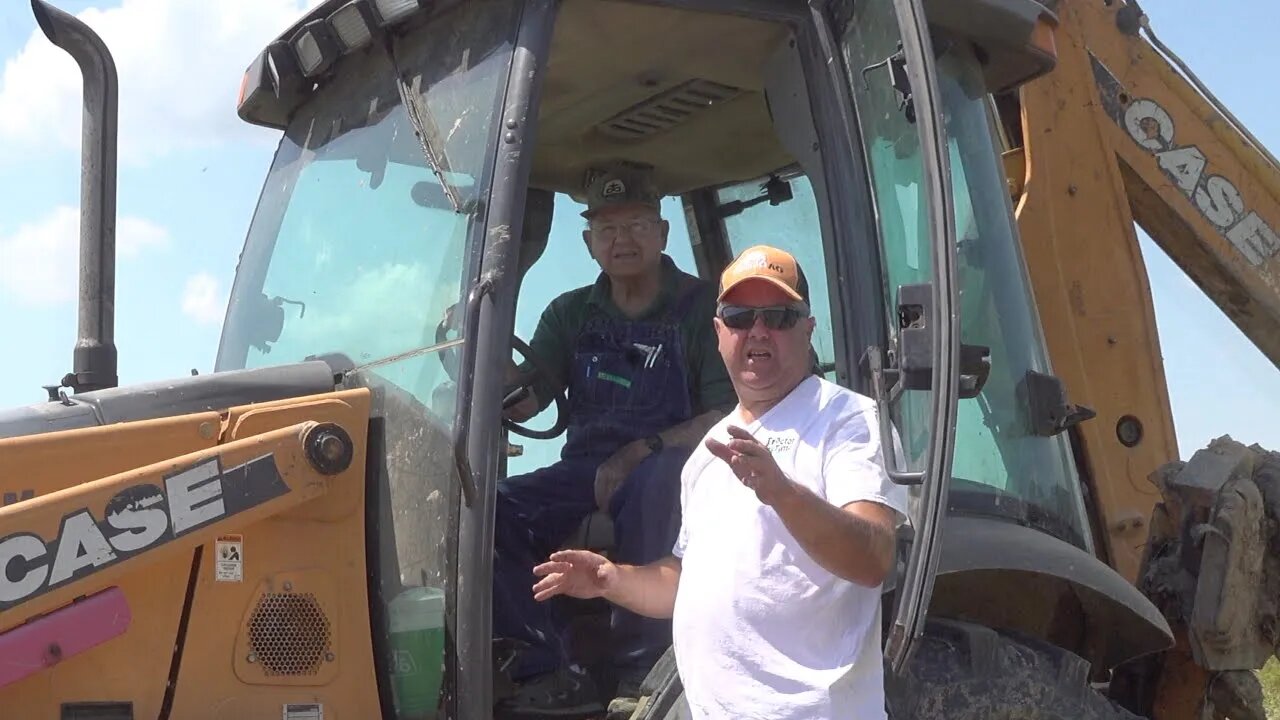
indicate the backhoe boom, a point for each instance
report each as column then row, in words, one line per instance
column 1117, row 135
column 1196, row 183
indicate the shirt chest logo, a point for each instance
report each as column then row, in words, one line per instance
column 778, row 444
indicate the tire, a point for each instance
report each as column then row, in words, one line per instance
column 959, row 671
column 962, row 671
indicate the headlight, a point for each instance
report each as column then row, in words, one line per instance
column 353, row 24
column 316, row 47
column 393, row 11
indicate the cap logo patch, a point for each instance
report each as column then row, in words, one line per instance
column 613, row 187
column 759, row 260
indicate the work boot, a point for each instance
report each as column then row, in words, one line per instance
column 566, row 694
column 622, row 708
column 627, row 699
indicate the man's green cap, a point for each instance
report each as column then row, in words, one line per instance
column 621, row 183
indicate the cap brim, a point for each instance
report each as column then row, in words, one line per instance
column 790, row 291
column 653, row 205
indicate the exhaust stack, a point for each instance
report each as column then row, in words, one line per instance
column 94, row 358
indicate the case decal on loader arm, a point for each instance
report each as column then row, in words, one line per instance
column 137, row 518
column 64, row 543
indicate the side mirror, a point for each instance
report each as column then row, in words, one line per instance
column 265, row 320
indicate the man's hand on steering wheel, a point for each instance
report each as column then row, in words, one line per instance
column 520, row 398
column 520, row 401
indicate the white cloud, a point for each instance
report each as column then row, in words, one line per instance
column 39, row 262
column 179, row 64
column 202, row 299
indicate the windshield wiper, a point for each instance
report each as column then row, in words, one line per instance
column 425, row 127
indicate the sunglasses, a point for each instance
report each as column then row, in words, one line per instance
column 777, row 317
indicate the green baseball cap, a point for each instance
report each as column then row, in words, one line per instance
column 621, row 183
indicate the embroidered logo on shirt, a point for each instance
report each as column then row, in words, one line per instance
column 777, row 444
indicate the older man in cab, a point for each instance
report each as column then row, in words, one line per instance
column 637, row 354
column 788, row 527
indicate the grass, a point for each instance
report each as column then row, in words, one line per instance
column 1270, row 677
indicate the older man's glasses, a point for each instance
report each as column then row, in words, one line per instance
column 637, row 227
column 776, row 317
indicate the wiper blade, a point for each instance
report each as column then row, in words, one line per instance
column 425, row 127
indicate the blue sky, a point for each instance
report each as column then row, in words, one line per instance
column 190, row 173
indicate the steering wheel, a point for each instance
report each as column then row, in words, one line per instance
column 513, row 393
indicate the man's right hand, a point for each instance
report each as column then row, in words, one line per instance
column 526, row 408
column 523, row 410
column 576, row 573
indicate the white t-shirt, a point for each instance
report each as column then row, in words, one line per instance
column 760, row 629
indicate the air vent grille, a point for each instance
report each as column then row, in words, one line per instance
column 667, row 110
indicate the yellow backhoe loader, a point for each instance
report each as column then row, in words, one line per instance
column 307, row 532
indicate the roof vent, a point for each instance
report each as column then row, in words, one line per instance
column 663, row 112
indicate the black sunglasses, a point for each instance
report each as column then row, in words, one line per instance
column 777, row 317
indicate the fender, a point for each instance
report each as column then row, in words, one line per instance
column 989, row 568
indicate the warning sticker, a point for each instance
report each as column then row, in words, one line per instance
column 228, row 561
column 303, row 711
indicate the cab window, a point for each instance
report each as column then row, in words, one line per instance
column 790, row 223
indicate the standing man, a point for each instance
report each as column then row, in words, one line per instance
column 637, row 354
column 788, row 527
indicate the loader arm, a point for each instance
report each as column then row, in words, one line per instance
column 83, row 536
column 201, row 565
column 1118, row 135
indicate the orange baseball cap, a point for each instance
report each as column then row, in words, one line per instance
column 769, row 264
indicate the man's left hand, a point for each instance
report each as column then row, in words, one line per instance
column 614, row 471
column 752, row 462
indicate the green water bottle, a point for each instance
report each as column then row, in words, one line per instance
column 417, row 652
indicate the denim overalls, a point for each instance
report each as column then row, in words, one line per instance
column 627, row 381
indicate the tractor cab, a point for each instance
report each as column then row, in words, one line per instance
column 423, row 208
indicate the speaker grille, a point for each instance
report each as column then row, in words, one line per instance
column 289, row 634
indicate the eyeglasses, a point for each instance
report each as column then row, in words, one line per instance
column 637, row 226
column 776, row 317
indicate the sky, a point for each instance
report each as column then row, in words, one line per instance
column 190, row 172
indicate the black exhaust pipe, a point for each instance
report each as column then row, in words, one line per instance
column 94, row 359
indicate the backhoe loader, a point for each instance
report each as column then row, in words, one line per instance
column 307, row 532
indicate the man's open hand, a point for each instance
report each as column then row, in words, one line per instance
column 576, row 573
column 752, row 462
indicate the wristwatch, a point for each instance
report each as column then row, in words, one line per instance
column 654, row 442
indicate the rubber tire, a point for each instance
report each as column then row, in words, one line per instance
column 963, row 671
column 959, row 671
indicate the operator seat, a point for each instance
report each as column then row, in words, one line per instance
column 594, row 534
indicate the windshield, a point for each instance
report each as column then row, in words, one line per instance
column 1003, row 468
column 361, row 247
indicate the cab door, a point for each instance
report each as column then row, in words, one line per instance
column 888, row 66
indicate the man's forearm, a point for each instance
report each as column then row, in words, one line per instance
column 690, row 432
column 855, row 548
column 648, row 590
